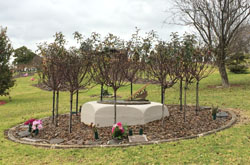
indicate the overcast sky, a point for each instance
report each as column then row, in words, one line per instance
column 33, row 21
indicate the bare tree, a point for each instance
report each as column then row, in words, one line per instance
column 201, row 68
column 76, row 74
column 85, row 51
column 162, row 67
column 186, row 61
column 112, row 56
column 240, row 42
column 52, row 73
column 93, row 47
column 217, row 22
column 134, row 59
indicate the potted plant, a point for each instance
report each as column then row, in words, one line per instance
column 214, row 111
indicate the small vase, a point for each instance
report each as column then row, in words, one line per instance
column 30, row 127
column 36, row 131
column 96, row 135
column 214, row 116
column 141, row 131
column 130, row 132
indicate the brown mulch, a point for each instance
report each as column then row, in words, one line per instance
column 175, row 127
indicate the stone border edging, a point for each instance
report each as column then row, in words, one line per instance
column 58, row 146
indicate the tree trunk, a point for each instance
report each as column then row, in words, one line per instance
column 77, row 94
column 223, row 74
column 131, row 89
column 162, row 95
column 53, row 107
column 70, row 114
column 101, row 92
column 163, row 103
column 114, row 106
column 185, row 100
column 197, row 108
column 181, row 94
column 57, row 105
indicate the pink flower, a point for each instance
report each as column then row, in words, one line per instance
column 122, row 130
column 37, row 124
column 34, row 127
column 32, row 79
column 113, row 128
column 119, row 125
column 26, row 74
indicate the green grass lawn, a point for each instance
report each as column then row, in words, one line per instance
column 230, row 146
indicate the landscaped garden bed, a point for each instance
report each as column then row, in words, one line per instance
column 82, row 134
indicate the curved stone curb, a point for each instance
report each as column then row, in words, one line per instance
column 58, row 146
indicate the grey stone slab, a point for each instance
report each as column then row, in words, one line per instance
column 137, row 138
column 32, row 140
column 56, row 141
column 222, row 114
column 23, row 133
column 114, row 142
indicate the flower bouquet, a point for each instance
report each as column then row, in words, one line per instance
column 36, row 126
column 29, row 122
column 119, row 131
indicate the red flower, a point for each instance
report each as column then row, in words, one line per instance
column 30, row 121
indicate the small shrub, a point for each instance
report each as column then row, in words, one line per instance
column 237, row 63
column 237, row 68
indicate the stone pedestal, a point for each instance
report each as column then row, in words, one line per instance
column 102, row 115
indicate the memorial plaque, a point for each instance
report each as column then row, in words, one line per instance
column 114, row 142
column 222, row 114
column 137, row 138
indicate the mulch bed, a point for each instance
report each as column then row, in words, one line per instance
column 175, row 127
